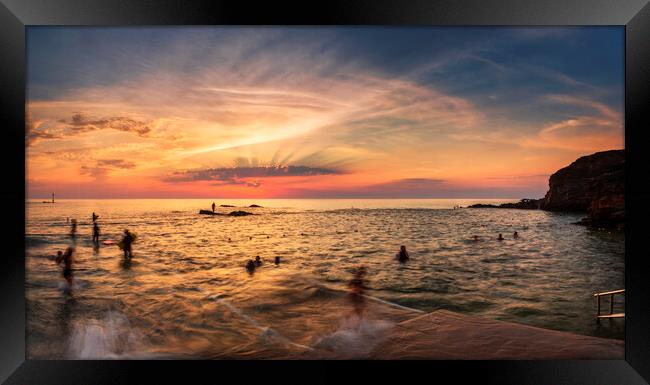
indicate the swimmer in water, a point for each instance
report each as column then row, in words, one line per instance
column 73, row 228
column 403, row 255
column 127, row 240
column 250, row 266
column 500, row 238
column 67, row 259
column 515, row 235
column 258, row 261
column 277, row 260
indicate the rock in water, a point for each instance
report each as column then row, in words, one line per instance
column 594, row 184
column 239, row 213
column 254, row 206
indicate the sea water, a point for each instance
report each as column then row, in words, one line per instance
column 187, row 294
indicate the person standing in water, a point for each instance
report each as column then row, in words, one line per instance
column 515, row 235
column 127, row 240
column 357, row 286
column 95, row 216
column 95, row 232
column 500, row 237
column 213, row 206
column 73, row 228
column 403, row 255
column 67, row 259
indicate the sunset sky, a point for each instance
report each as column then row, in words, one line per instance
column 302, row 112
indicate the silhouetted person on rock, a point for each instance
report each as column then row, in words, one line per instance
column 403, row 255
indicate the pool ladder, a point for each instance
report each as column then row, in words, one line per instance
column 611, row 313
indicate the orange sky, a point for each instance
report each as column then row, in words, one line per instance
column 289, row 124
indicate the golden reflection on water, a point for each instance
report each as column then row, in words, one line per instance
column 186, row 292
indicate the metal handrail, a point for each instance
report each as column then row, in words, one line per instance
column 611, row 304
column 609, row 292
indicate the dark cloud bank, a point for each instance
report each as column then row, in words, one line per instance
column 240, row 175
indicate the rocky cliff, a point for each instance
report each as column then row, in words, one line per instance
column 594, row 184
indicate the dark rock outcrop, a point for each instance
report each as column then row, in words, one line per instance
column 594, row 184
column 237, row 213
column 526, row 204
column 208, row 212
column 254, row 206
column 240, row 213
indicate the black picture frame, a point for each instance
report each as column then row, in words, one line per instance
column 15, row 15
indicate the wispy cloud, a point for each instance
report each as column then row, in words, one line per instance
column 408, row 116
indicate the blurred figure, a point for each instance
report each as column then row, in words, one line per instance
column 403, row 255
column 127, row 240
column 476, row 238
column 95, row 233
column 515, row 235
column 213, row 206
column 250, row 266
column 277, row 260
column 95, row 216
column 258, row 261
column 73, row 228
column 500, row 237
column 357, row 286
column 67, row 259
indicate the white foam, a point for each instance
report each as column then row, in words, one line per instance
column 356, row 337
column 110, row 337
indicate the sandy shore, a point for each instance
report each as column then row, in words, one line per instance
column 447, row 335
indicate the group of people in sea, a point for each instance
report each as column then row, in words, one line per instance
column 251, row 265
column 500, row 237
column 66, row 258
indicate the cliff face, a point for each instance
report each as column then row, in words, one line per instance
column 594, row 184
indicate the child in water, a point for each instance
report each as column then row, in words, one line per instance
column 258, row 261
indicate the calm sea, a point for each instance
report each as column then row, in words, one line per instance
column 186, row 292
